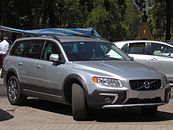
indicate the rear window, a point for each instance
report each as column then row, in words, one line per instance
column 27, row 48
column 19, row 48
column 34, row 49
column 136, row 48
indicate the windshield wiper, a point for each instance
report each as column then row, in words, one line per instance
column 105, row 57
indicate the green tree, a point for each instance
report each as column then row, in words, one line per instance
column 157, row 19
column 161, row 19
column 21, row 13
column 168, row 19
column 7, row 15
column 132, row 20
column 107, row 17
column 72, row 15
column 104, row 15
column 62, row 13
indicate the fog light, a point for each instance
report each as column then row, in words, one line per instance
column 109, row 98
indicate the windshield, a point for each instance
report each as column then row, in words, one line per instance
column 87, row 51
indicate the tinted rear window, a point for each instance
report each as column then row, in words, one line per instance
column 19, row 48
column 136, row 48
column 28, row 48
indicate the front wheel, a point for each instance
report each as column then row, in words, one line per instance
column 79, row 105
column 14, row 92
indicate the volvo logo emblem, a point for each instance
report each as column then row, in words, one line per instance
column 146, row 84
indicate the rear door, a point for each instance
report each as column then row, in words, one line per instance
column 18, row 52
column 139, row 52
column 27, row 64
column 161, row 58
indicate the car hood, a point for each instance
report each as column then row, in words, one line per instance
column 124, row 69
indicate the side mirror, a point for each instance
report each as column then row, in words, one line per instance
column 54, row 57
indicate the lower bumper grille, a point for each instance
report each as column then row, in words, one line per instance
column 139, row 101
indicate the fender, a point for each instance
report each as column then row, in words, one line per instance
column 78, row 78
column 69, row 80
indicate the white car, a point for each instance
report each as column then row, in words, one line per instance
column 156, row 54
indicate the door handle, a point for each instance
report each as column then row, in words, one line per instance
column 154, row 60
column 39, row 67
column 20, row 64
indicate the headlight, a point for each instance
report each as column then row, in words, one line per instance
column 165, row 81
column 110, row 82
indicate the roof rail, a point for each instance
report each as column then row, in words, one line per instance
column 87, row 32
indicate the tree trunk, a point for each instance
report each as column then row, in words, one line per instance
column 168, row 20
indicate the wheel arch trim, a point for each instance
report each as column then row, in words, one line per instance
column 69, row 80
column 8, row 73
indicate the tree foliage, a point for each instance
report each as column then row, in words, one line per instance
column 161, row 18
column 132, row 20
column 105, row 15
column 158, row 22
column 114, row 19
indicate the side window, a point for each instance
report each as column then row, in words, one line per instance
column 136, row 48
column 161, row 50
column 34, row 49
column 50, row 48
column 19, row 48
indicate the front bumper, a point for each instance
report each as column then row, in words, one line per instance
column 132, row 105
column 105, row 99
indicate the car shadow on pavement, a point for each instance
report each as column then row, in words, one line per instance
column 49, row 106
column 5, row 115
column 118, row 115
column 131, row 115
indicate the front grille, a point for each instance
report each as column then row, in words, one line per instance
column 145, row 85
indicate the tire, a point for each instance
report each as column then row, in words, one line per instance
column 149, row 110
column 79, row 106
column 14, row 92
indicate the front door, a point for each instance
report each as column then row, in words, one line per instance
column 49, row 74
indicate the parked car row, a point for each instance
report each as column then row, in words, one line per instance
column 158, row 55
column 84, row 72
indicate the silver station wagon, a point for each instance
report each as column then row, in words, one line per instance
column 84, row 72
